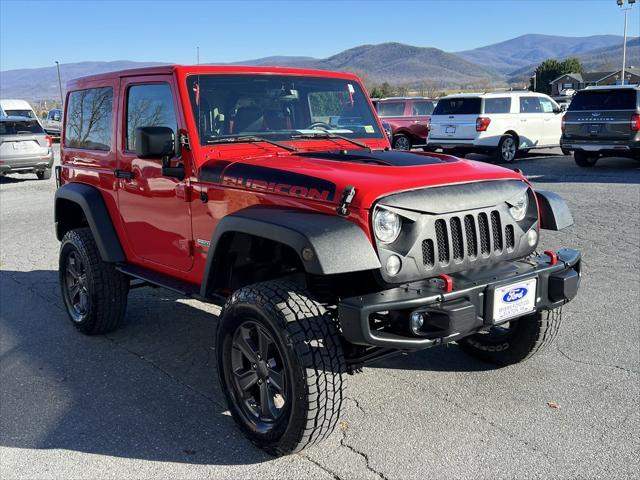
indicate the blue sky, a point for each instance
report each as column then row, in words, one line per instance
column 35, row 33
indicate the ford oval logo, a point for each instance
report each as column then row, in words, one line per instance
column 514, row 294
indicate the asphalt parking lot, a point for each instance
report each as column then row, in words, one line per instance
column 143, row 402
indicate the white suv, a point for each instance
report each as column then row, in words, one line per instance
column 500, row 124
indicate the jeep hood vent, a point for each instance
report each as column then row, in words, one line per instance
column 391, row 158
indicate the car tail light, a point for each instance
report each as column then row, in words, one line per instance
column 635, row 122
column 49, row 140
column 482, row 123
column 563, row 123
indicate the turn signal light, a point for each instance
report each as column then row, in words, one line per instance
column 635, row 122
column 563, row 123
column 482, row 123
column 49, row 141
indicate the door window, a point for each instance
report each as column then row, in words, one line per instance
column 88, row 120
column 530, row 105
column 546, row 105
column 149, row 106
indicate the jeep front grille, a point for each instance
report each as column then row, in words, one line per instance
column 454, row 244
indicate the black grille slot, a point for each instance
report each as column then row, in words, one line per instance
column 443, row 241
column 496, row 227
column 472, row 237
column 428, row 257
column 510, row 237
column 456, row 238
column 483, row 224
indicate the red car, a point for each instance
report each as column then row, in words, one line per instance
column 408, row 118
column 273, row 193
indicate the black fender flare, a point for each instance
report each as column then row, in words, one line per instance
column 90, row 200
column 554, row 212
column 331, row 244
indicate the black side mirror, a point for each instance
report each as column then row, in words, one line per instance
column 159, row 142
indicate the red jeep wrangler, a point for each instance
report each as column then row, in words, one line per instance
column 273, row 193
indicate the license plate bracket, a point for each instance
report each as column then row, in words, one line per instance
column 510, row 300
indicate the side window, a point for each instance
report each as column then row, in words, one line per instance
column 391, row 109
column 530, row 105
column 546, row 105
column 88, row 121
column 149, row 106
column 497, row 105
column 422, row 108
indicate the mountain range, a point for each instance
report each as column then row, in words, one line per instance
column 497, row 64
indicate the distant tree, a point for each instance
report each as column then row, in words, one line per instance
column 386, row 89
column 551, row 69
column 402, row 90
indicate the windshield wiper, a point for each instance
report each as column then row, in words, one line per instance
column 252, row 139
column 330, row 135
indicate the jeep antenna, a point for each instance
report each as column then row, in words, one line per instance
column 197, row 55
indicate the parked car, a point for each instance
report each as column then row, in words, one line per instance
column 408, row 118
column 16, row 108
column 603, row 121
column 51, row 123
column 272, row 192
column 25, row 147
column 501, row 124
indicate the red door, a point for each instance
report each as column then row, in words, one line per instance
column 155, row 213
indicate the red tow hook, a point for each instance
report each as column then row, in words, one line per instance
column 553, row 256
column 448, row 282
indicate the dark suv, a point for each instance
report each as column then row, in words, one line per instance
column 408, row 118
column 603, row 121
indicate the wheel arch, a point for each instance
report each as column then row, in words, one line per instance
column 77, row 205
column 331, row 244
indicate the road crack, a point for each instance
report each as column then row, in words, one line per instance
column 595, row 364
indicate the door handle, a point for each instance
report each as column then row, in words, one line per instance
column 123, row 174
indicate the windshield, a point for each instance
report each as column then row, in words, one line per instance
column 11, row 127
column 279, row 107
column 604, row 100
column 20, row 113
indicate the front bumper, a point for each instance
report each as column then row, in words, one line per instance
column 458, row 313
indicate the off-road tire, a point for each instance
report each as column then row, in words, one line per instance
column 401, row 142
column 585, row 160
column 312, row 356
column 530, row 335
column 107, row 289
column 44, row 174
column 499, row 154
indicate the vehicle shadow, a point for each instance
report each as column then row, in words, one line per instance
column 8, row 180
column 148, row 390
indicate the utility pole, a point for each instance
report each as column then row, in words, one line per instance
column 60, row 85
column 624, row 43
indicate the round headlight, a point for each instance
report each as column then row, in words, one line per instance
column 386, row 225
column 519, row 208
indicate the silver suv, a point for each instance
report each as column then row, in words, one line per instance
column 25, row 147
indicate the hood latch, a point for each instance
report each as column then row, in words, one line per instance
column 347, row 197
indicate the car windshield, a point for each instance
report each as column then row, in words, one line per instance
column 279, row 107
column 604, row 100
column 20, row 113
column 16, row 127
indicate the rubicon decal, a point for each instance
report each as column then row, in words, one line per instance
column 514, row 295
column 271, row 180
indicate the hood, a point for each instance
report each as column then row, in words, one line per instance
column 323, row 175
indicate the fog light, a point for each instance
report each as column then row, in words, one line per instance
column 393, row 265
column 417, row 321
column 532, row 237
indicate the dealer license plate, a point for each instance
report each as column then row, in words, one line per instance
column 450, row 129
column 514, row 300
column 19, row 145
